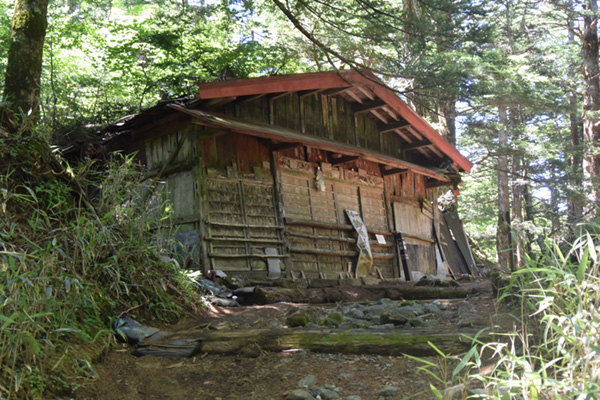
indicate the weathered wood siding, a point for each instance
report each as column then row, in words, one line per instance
column 413, row 216
column 320, row 239
column 318, row 115
column 239, row 203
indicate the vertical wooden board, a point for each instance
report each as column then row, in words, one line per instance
column 361, row 140
column 372, row 134
column 226, row 150
column 325, row 129
column 408, row 185
column 373, row 208
column 180, row 187
column 420, row 187
column 340, row 122
column 280, row 111
column 293, row 115
column 350, row 129
column 248, row 149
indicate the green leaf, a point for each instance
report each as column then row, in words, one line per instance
column 583, row 264
column 436, row 392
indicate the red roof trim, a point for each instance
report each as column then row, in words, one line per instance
column 330, row 80
column 271, row 84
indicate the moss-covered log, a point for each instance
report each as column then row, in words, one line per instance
column 356, row 341
column 271, row 295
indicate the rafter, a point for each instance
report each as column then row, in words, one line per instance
column 366, row 107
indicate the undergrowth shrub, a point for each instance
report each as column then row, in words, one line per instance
column 76, row 250
column 553, row 352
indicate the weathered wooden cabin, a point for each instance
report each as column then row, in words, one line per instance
column 273, row 175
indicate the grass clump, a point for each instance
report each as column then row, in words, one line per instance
column 553, row 352
column 76, row 250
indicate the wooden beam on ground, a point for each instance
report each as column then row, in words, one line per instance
column 273, row 295
column 365, row 108
column 249, row 342
column 344, row 160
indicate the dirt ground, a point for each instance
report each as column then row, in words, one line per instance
column 264, row 375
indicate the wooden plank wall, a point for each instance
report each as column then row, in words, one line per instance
column 414, row 215
column 180, row 189
column 239, row 203
column 320, row 239
column 318, row 115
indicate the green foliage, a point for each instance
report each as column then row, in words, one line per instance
column 67, row 269
column 554, row 350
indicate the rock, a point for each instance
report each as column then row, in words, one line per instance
column 356, row 313
column 353, row 397
column 298, row 319
column 332, row 320
column 370, row 281
column 413, row 309
column 389, row 391
column 307, row 381
column 417, row 322
column 467, row 315
column 393, row 317
column 347, row 374
column 324, row 394
column 299, row 394
column 432, row 308
column 457, row 392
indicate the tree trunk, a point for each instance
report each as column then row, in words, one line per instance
column 447, row 118
column 591, row 106
column 517, row 206
column 575, row 209
column 503, row 233
column 24, row 65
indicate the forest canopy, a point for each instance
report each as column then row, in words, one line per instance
column 512, row 82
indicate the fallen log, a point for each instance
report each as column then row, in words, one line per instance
column 272, row 295
column 355, row 341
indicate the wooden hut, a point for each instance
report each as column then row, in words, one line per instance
column 264, row 175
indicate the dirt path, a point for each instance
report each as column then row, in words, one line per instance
column 256, row 374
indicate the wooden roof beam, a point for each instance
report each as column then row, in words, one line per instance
column 354, row 96
column 285, row 146
column 366, row 107
column 251, row 98
column 394, row 171
column 416, row 145
column 335, row 92
column 276, row 96
column 343, row 160
column 366, row 92
column 432, row 183
column 218, row 102
column 379, row 116
column 384, row 128
column 306, row 93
